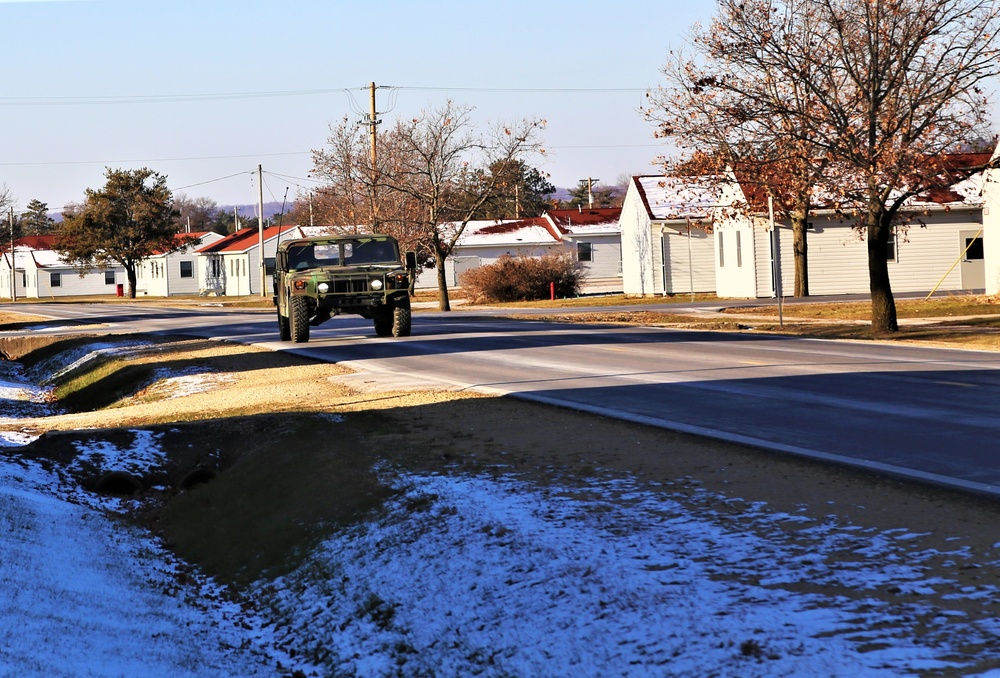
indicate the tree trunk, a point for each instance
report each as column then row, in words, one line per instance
column 439, row 259
column 883, row 304
column 800, row 222
column 130, row 276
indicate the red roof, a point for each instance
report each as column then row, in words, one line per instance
column 36, row 242
column 186, row 239
column 565, row 219
column 244, row 239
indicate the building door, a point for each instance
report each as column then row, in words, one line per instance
column 973, row 265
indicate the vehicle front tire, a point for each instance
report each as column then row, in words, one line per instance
column 299, row 319
column 284, row 328
column 401, row 320
column 383, row 323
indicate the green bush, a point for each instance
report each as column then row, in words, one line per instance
column 523, row 278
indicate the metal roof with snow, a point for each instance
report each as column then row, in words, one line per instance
column 586, row 221
column 516, row 232
column 679, row 198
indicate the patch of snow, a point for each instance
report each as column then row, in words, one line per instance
column 81, row 595
column 481, row 576
column 144, row 454
column 172, row 383
column 16, row 438
column 48, row 370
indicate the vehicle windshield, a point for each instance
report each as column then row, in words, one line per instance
column 366, row 251
column 309, row 255
column 360, row 251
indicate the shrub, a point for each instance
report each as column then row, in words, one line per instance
column 523, row 278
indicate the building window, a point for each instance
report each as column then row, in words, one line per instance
column 187, row 269
column 584, row 251
column 974, row 249
column 55, row 279
column 109, row 277
column 739, row 251
column 890, row 246
column 722, row 249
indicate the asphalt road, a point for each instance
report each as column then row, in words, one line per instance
column 927, row 413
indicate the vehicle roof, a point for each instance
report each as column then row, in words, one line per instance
column 321, row 239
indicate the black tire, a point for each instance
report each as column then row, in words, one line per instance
column 401, row 320
column 383, row 323
column 299, row 319
column 284, row 328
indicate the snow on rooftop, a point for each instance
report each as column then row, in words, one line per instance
column 675, row 198
column 491, row 232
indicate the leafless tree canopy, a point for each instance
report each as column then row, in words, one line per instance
column 866, row 97
column 432, row 173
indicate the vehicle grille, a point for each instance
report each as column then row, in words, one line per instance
column 350, row 285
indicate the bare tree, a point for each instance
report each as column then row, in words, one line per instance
column 449, row 172
column 195, row 214
column 737, row 107
column 872, row 93
column 434, row 173
column 899, row 86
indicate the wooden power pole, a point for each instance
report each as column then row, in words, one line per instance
column 372, row 123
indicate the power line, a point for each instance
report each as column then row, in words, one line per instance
column 158, row 98
column 212, row 181
column 106, row 162
column 226, row 96
column 533, row 90
column 292, row 178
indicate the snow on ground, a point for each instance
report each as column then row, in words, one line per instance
column 502, row 578
column 466, row 575
column 82, row 595
column 188, row 381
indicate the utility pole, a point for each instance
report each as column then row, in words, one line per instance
column 372, row 121
column 310, row 209
column 260, row 229
column 13, row 268
column 590, row 191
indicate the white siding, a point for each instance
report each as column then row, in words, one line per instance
column 72, row 284
column 466, row 258
column 838, row 256
column 991, row 227
column 606, row 253
column 690, row 260
column 925, row 254
column 639, row 257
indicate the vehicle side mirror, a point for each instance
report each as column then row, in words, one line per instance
column 411, row 260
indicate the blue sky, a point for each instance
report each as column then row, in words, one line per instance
column 131, row 83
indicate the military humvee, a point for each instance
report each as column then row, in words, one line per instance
column 317, row 278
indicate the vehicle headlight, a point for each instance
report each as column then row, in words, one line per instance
column 322, row 288
column 376, row 284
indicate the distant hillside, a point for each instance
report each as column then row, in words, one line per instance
column 271, row 209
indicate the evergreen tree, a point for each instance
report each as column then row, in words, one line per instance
column 36, row 220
